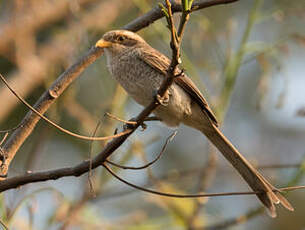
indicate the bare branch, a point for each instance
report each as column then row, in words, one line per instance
column 156, row 13
column 285, row 189
column 46, row 100
column 169, row 139
column 189, row 172
column 11, row 129
column 120, row 119
column 3, row 139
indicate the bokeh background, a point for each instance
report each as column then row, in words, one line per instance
column 246, row 57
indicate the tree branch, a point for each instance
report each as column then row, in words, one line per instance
column 156, row 13
column 45, row 101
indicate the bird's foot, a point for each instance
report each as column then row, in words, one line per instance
column 162, row 100
column 181, row 73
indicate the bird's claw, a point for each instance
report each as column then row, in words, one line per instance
column 162, row 100
column 181, row 73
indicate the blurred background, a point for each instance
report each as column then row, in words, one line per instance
column 246, row 57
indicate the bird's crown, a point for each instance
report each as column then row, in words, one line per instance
column 123, row 37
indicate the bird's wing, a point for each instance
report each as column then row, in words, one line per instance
column 161, row 63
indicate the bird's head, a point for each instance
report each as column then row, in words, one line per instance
column 117, row 41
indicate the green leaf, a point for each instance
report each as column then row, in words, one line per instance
column 190, row 4
column 185, row 5
column 164, row 10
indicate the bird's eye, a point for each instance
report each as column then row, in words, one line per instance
column 121, row 38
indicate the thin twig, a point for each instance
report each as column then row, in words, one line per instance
column 152, row 118
column 90, row 158
column 280, row 166
column 254, row 212
column 168, row 140
column 285, row 189
column 45, row 101
column 175, row 43
column 4, row 138
column 120, row 119
column 184, row 173
column 156, row 13
column 12, row 129
column 52, row 123
column 186, row 10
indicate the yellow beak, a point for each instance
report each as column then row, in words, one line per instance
column 103, row 44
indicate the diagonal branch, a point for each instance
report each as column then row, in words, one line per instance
column 169, row 139
column 44, row 102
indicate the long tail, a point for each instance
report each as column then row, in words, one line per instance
column 255, row 180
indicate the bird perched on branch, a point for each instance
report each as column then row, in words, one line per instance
column 141, row 69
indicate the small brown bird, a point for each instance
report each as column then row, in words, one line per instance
column 141, row 69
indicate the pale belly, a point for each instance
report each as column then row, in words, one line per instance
column 142, row 82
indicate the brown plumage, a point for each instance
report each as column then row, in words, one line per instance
column 140, row 69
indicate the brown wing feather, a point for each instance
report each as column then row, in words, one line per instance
column 186, row 83
column 161, row 63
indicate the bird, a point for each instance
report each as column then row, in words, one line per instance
column 140, row 70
